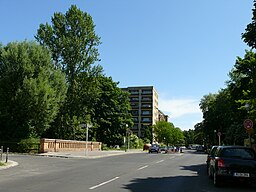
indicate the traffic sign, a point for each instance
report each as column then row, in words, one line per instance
column 248, row 124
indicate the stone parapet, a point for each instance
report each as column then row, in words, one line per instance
column 58, row 145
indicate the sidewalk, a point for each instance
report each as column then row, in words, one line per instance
column 90, row 154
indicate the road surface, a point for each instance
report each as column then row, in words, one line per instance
column 124, row 173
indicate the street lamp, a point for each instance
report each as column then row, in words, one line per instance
column 127, row 142
column 87, row 125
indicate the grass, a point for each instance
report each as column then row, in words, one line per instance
column 2, row 164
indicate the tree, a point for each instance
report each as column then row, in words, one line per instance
column 111, row 112
column 166, row 133
column 73, row 43
column 249, row 36
column 31, row 90
column 189, row 137
column 242, row 87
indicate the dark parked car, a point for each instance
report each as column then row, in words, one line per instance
column 154, row 149
column 210, row 155
column 233, row 163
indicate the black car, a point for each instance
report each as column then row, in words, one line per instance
column 154, row 149
column 233, row 163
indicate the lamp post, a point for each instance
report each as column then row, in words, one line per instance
column 126, row 136
column 87, row 126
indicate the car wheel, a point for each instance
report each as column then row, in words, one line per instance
column 216, row 180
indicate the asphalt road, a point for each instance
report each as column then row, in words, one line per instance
column 125, row 173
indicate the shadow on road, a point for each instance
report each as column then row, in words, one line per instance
column 198, row 181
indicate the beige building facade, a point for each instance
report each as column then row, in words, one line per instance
column 144, row 104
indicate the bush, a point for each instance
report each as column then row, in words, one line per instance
column 30, row 145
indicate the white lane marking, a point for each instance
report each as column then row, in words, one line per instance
column 160, row 161
column 94, row 187
column 172, row 157
column 143, row 167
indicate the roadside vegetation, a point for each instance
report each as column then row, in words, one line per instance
column 224, row 112
column 51, row 86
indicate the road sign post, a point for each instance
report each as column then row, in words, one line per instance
column 248, row 125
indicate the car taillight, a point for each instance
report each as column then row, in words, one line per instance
column 221, row 163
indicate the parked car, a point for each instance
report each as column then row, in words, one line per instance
column 233, row 163
column 154, row 148
column 170, row 149
column 210, row 155
column 163, row 149
column 200, row 148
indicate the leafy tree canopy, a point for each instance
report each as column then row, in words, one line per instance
column 31, row 90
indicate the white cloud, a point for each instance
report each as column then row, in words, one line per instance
column 176, row 108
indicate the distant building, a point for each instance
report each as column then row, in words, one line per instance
column 144, row 104
column 162, row 116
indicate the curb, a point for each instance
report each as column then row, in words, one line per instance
column 9, row 165
column 70, row 155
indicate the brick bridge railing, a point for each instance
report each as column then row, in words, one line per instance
column 57, row 145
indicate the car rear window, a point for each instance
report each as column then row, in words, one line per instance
column 213, row 151
column 238, row 153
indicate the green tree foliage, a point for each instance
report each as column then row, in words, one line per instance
column 221, row 114
column 189, row 137
column 166, row 133
column 249, row 36
column 243, row 79
column 148, row 136
column 135, row 142
column 225, row 112
column 111, row 112
column 73, row 43
column 31, row 90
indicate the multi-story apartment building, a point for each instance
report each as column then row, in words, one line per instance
column 144, row 104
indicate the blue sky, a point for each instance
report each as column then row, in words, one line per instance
column 184, row 48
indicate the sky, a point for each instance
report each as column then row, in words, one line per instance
column 184, row 48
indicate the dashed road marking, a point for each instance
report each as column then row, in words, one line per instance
column 160, row 161
column 104, row 183
column 142, row 167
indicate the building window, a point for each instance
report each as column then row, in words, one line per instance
column 134, row 99
column 135, row 112
column 146, row 112
column 135, row 119
column 134, row 105
column 146, row 119
column 134, row 92
column 146, row 92
column 146, row 105
column 146, row 99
